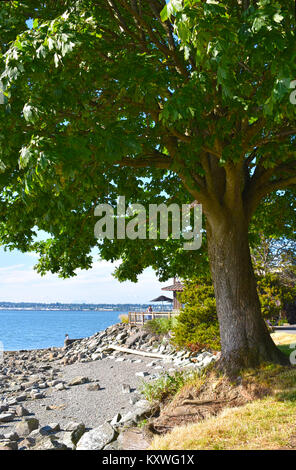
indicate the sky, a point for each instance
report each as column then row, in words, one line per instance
column 19, row 282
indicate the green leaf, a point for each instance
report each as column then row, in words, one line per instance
column 278, row 18
column 30, row 113
column 2, row 166
column 164, row 14
column 258, row 24
column 25, row 155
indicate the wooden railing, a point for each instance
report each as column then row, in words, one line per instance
column 139, row 318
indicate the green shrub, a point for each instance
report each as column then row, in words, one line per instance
column 166, row 385
column 197, row 325
column 160, row 326
column 273, row 295
column 123, row 318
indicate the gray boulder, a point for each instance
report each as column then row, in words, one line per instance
column 27, row 443
column 112, row 446
column 60, row 386
column 26, row 426
column 126, row 388
column 11, row 436
column 8, row 445
column 93, row 387
column 142, row 409
column 45, row 431
column 78, row 381
column 50, row 443
column 116, row 420
column 142, row 374
column 6, row 417
column 129, row 419
column 21, row 411
column 97, row 438
column 74, row 432
column 55, row 427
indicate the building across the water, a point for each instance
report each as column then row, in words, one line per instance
column 177, row 286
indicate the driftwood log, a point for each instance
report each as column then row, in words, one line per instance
column 136, row 352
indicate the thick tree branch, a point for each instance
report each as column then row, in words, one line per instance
column 234, row 185
column 149, row 160
column 281, row 136
column 249, row 132
column 257, row 191
column 277, row 185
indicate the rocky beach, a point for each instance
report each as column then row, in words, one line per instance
column 87, row 394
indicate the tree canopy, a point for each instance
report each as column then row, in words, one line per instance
column 101, row 94
column 178, row 101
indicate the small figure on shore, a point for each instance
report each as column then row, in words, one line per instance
column 149, row 310
column 66, row 340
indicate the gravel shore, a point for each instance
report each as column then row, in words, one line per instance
column 93, row 408
column 85, row 385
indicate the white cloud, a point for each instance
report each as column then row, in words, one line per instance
column 20, row 282
column 11, row 268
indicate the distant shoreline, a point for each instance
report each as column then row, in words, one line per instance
column 57, row 306
column 60, row 309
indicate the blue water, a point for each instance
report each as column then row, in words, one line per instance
column 26, row 329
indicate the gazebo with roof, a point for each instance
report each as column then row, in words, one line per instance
column 177, row 286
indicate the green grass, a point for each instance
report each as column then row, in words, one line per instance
column 267, row 423
column 263, row 424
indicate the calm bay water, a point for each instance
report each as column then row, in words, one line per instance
column 26, row 329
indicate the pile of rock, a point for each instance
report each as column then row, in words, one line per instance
column 109, row 436
column 28, row 435
column 101, row 345
column 26, row 376
column 35, row 366
column 32, row 375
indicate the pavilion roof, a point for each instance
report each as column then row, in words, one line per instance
column 177, row 286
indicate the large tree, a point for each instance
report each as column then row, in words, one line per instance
column 182, row 101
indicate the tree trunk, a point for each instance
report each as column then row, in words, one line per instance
column 245, row 340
